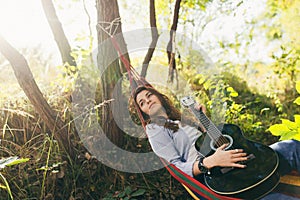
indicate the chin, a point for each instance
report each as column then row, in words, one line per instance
column 155, row 110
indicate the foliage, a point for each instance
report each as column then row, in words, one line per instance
column 230, row 95
column 288, row 129
column 26, row 141
column 10, row 161
column 287, row 64
column 127, row 194
column 286, row 15
column 195, row 4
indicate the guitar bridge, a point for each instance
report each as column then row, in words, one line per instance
column 250, row 157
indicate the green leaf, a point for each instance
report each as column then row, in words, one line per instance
column 6, row 161
column 288, row 135
column 297, row 101
column 297, row 136
column 263, row 110
column 233, row 93
column 298, row 86
column 139, row 192
column 297, row 120
column 289, row 124
column 2, row 186
column 18, row 161
column 201, row 81
column 230, row 89
column 128, row 190
column 279, row 129
column 7, row 186
column 122, row 194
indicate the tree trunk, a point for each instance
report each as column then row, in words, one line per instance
column 108, row 11
column 58, row 33
column 155, row 36
column 170, row 47
column 32, row 91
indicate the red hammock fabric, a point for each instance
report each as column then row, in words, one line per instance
column 198, row 188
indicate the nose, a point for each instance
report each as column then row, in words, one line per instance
column 148, row 100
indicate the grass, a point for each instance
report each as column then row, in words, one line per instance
column 47, row 176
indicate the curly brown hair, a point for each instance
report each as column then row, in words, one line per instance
column 172, row 112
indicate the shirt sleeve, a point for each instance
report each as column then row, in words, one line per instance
column 174, row 150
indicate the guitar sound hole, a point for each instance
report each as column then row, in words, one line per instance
column 224, row 139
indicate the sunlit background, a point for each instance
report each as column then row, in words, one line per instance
column 23, row 24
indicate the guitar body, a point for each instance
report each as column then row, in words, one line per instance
column 254, row 181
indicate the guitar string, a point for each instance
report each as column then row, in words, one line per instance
column 219, row 139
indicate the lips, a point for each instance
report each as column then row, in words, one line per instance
column 151, row 105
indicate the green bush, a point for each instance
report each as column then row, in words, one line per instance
column 288, row 129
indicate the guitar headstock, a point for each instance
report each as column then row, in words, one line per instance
column 187, row 101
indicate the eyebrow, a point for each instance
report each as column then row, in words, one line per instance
column 145, row 95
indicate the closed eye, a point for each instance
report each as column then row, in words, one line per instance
column 141, row 104
column 149, row 94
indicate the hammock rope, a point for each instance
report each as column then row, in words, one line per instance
column 135, row 80
column 110, row 28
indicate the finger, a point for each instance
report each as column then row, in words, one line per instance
column 203, row 108
column 200, row 107
column 240, row 155
column 197, row 107
column 222, row 147
column 235, row 151
column 238, row 165
column 239, row 159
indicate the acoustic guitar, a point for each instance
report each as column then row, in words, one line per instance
column 254, row 181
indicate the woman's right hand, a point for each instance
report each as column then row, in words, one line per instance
column 222, row 158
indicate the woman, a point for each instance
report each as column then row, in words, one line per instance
column 174, row 140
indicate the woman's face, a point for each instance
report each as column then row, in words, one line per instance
column 149, row 103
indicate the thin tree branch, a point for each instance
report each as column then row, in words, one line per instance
column 155, row 36
column 170, row 50
column 58, row 33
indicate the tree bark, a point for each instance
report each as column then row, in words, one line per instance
column 58, row 33
column 170, row 50
column 155, row 36
column 108, row 11
column 32, row 91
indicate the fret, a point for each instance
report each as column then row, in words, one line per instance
column 216, row 136
column 211, row 129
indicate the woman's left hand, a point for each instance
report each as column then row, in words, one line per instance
column 200, row 107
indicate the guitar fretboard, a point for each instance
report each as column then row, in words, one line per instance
column 213, row 132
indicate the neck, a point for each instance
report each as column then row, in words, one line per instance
column 160, row 115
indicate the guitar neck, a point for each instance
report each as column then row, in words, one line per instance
column 211, row 129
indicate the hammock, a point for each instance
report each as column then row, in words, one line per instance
column 196, row 189
column 193, row 187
